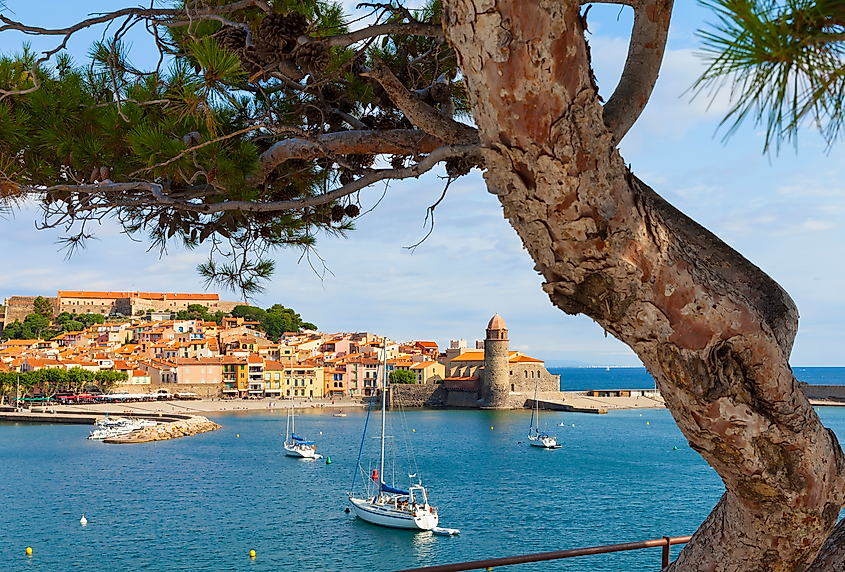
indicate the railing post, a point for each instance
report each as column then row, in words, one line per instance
column 666, row 547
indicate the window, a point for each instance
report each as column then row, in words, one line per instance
column 526, row 374
column 267, row 376
column 278, row 376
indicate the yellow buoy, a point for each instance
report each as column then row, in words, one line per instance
column 491, row 427
column 646, row 422
column 252, row 553
column 237, row 435
column 413, row 430
column 28, row 551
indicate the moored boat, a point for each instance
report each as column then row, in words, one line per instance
column 536, row 437
column 297, row 446
column 387, row 505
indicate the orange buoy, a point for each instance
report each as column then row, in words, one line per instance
column 375, row 474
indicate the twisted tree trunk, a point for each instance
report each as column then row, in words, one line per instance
column 713, row 329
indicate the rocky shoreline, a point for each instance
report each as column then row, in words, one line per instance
column 173, row 430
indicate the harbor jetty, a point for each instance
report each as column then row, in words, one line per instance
column 169, row 426
column 193, row 425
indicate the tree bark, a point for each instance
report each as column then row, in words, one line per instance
column 712, row 328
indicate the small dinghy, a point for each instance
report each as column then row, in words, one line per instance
column 445, row 531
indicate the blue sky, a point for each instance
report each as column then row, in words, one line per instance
column 784, row 212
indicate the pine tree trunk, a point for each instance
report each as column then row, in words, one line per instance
column 713, row 329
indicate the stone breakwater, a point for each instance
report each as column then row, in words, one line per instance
column 173, row 430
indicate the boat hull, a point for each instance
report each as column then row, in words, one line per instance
column 301, row 452
column 386, row 516
column 543, row 442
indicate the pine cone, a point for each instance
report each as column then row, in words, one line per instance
column 346, row 178
column 285, row 193
column 250, row 61
column 312, row 56
column 232, row 38
column 397, row 161
column 281, row 31
column 352, row 211
column 104, row 173
column 338, row 213
column 458, row 166
column 361, row 159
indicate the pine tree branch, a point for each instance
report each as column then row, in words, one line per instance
column 403, row 28
column 155, row 197
column 393, row 142
column 143, row 13
column 419, row 113
column 642, row 66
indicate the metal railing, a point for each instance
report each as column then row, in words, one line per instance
column 491, row 563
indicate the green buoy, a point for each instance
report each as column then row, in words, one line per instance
column 675, row 448
column 328, row 460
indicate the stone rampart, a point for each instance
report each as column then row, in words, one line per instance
column 831, row 392
column 17, row 307
column 409, row 395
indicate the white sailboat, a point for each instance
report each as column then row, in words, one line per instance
column 387, row 505
column 297, row 446
column 536, row 437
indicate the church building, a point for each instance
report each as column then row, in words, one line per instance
column 495, row 377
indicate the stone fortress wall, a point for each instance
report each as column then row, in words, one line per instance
column 17, row 307
column 105, row 303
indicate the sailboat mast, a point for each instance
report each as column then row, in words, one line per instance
column 287, row 427
column 383, row 402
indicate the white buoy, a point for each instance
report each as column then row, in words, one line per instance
column 83, row 521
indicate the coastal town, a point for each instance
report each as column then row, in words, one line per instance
column 142, row 339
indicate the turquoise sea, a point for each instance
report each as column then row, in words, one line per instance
column 202, row 503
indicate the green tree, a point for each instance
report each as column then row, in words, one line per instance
column 252, row 313
column 402, row 376
column 269, row 120
column 73, row 326
column 79, row 379
column 53, row 380
column 43, row 307
column 107, row 379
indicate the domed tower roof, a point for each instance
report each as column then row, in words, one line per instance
column 497, row 323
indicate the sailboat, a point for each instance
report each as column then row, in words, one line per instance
column 387, row 505
column 536, row 437
column 297, row 446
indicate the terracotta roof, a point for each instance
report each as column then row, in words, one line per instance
column 424, row 364
column 142, row 295
column 470, row 355
column 518, row 357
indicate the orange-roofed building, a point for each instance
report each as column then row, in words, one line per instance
column 428, row 372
